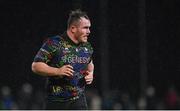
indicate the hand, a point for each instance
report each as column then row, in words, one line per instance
column 89, row 77
column 66, row 70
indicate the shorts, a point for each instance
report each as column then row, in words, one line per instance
column 78, row 104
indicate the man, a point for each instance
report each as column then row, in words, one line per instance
column 67, row 62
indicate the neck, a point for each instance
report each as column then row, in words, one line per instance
column 72, row 37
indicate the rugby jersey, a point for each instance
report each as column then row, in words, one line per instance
column 57, row 51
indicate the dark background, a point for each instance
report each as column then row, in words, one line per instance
column 25, row 24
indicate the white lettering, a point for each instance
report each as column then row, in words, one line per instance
column 75, row 59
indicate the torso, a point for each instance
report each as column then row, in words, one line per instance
column 66, row 88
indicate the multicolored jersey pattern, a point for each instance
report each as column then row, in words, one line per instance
column 61, row 50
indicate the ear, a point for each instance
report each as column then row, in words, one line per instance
column 73, row 29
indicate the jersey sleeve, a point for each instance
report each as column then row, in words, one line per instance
column 47, row 51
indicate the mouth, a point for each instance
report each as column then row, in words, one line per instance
column 86, row 36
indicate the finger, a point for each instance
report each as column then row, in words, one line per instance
column 88, row 79
column 89, row 82
column 66, row 74
column 69, row 73
column 72, row 71
column 69, row 66
column 88, row 72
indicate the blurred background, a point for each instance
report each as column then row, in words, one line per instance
column 136, row 51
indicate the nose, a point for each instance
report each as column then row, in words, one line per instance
column 88, row 31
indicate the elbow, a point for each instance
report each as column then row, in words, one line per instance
column 34, row 67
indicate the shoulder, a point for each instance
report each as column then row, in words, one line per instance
column 53, row 39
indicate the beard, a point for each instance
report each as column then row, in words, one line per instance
column 82, row 39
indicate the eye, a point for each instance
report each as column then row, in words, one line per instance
column 86, row 27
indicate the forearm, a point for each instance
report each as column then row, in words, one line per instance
column 43, row 69
column 90, row 67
